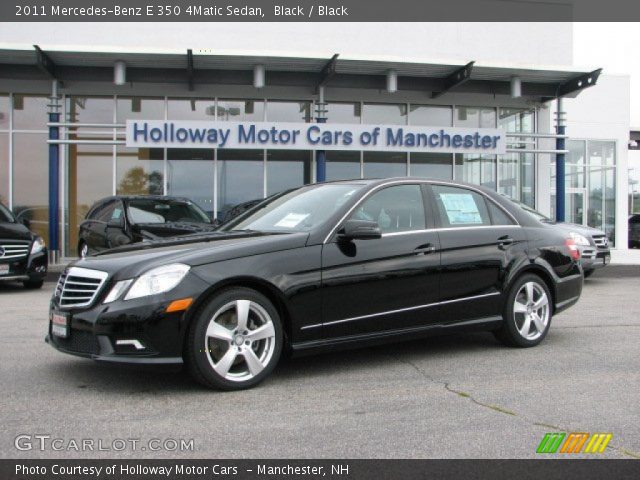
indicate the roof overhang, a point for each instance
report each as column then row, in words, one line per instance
column 204, row 67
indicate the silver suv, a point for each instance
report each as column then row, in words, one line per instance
column 593, row 243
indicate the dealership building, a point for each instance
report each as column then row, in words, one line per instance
column 66, row 95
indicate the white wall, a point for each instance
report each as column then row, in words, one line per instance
column 603, row 112
column 516, row 43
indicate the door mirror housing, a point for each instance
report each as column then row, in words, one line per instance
column 359, row 230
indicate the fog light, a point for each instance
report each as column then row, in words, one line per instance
column 131, row 342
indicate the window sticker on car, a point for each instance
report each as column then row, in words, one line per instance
column 461, row 208
column 116, row 213
column 292, row 220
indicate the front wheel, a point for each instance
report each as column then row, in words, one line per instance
column 235, row 340
column 527, row 313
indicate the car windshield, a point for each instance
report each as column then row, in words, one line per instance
column 297, row 211
column 534, row 213
column 5, row 215
column 165, row 211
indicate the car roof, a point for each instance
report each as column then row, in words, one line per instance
column 144, row 197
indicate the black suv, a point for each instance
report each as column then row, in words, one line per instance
column 121, row 220
column 23, row 254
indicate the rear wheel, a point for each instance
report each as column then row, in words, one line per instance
column 527, row 313
column 235, row 340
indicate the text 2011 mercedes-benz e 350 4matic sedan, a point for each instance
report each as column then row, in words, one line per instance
column 322, row 266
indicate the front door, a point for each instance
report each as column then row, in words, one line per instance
column 389, row 283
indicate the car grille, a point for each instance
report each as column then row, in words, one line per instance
column 79, row 341
column 10, row 249
column 601, row 241
column 78, row 287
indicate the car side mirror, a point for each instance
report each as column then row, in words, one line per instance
column 116, row 223
column 359, row 230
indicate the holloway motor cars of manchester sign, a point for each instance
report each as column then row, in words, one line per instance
column 313, row 136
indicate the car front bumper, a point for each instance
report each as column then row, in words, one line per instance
column 32, row 267
column 593, row 257
column 137, row 331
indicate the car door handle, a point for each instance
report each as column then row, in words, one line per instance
column 505, row 240
column 425, row 249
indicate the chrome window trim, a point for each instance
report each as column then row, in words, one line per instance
column 410, row 181
column 400, row 310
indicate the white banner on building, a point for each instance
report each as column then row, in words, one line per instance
column 313, row 136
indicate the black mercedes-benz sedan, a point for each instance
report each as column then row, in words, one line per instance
column 23, row 254
column 125, row 219
column 324, row 266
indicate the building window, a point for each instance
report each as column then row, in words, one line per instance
column 289, row 111
column 342, row 165
column 30, row 181
column 287, row 169
column 4, row 112
column 385, row 164
column 344, row 113
column 30, row 112
column 431, row 165
column 385, row 113
column 240, row 178
column 590, row 172
column 474, row 117
column 89, row 179
column 4, row 169
column 139, row 171
column 241, row 110
column 430, row 116
column 139, row 108
column 90, row 110
column 516, row 171
column 191, row 109
column 190, row 173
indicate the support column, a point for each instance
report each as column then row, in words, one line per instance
column 560, row 160
column 54, row 176
column 321, row 156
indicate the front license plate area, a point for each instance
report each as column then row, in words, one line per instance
column 4, row 268
column 607, row 259
column 60, row 324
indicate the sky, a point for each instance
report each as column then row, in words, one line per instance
column 612, row 47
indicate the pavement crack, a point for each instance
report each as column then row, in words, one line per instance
column 499, row 409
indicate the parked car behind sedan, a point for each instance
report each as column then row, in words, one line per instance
column 592, row 243
column 634, row 231
column 320, row 267
column 125, row 219
column 23, row 254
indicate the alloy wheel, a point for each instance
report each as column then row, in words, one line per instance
column 531, row 310
column 240, row 340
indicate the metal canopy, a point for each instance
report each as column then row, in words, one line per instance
column 311, row 72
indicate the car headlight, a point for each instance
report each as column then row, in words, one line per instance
column 157, row 280
column 117, row 290
column 38, row 245
column 579, row 239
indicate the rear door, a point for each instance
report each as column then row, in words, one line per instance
column 390, row 283
column 478, row 241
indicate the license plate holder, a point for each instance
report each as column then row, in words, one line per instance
column 606, row 260
column 60, row 324
column 4, row 269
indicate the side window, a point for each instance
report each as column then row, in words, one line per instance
column 396, row 209
column 459, row 207
column 106, row 212
column 498, row 216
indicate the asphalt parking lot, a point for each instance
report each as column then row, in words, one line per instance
column 448, row 397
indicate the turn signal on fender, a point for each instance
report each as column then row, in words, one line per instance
column 179, row 305
column 573, row 248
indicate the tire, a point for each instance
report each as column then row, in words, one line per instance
column 588, row 273
column 33, row 284
column 217, row 353
column 519, row 311
column 83, row 249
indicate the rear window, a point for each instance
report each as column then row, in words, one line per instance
column 161, row 211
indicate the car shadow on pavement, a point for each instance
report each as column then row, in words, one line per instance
column 77, row 373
